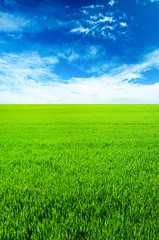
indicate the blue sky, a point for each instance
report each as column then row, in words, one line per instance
column 67, row 51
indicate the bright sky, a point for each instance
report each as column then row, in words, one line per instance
column 85, row 51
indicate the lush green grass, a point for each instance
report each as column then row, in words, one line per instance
column 79, row 172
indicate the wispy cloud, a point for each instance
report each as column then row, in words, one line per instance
column 17, row 70
column 81, row 56
column 16, row 16
column 10, row 3
column 145, row 2
column 11, row 23
column 86, row 52
column 99, row 21
column 149, row 61
column 96, row 21
column 29, row 78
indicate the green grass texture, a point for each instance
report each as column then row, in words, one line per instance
column 79, row 172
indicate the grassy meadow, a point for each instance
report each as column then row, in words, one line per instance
column 79, row 172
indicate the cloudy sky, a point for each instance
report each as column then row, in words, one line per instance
column 85, row 51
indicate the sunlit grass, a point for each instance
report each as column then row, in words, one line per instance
column 79, row 172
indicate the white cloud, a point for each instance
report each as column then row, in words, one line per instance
column 111, row 3
column 123, row 24
column 100, row 23
column 94, row 17
column 80, row 30
column 106, row 19
column 153, row 1
column 93, row 6
column 82, row 91
column 11, row 23
column 30, row 79
column 109, row 27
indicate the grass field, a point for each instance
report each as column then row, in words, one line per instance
column 79, row 172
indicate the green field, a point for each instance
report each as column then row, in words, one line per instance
column 79, row 172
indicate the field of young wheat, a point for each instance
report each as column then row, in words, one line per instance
column 79, row 172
